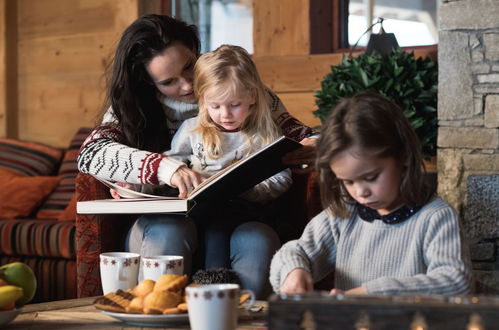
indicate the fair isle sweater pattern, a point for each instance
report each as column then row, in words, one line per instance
column 104, row 155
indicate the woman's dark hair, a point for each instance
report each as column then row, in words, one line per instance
column 379, row 127
column 131, row 93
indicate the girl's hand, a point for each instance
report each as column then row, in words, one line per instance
column 358, row 290
column 115, row 194
column 185, row 180
column 302, row 156
column 298, row 281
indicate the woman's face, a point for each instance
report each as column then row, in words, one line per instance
column 172, row 72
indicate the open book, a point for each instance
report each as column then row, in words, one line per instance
column 228, row 183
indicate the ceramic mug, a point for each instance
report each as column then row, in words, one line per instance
column 154, row 267
column 215, row 306
column 118, row 270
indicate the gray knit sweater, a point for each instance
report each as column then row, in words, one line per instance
column 423, row 255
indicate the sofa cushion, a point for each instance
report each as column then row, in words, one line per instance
column 29, row 158
column 21, row 195
column 58, row 200
column 55, row 277
column 33, row 237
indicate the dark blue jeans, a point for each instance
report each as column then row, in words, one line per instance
column 245, row 246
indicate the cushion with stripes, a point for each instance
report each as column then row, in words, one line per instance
column 29, row 158
column 59, row 199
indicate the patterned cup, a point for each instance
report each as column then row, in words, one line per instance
column 154, row 267
column 214, row 306
column 118, row 270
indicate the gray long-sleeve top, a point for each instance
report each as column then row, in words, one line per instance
column 425, row 254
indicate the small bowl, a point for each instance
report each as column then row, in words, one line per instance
column 7, row 316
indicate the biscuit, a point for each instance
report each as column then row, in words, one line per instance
column 157, row 301
column 171, row 282
column 114, row 301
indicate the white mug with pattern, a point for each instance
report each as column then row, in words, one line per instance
column 215, row 306
column 154, row 267
column 118, row 270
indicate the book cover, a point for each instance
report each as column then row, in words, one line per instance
column 228, row 183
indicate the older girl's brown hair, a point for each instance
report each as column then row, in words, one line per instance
column 379, row 127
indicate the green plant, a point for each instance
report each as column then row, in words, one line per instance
column 409, row 82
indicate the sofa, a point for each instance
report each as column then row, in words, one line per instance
column 37, row 212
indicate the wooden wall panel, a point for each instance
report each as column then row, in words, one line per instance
column 296, row 78
column 64, row 47
column 3, row 69
column 301, row 106
column 281, row 27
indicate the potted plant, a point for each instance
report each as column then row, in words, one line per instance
column 409, row 82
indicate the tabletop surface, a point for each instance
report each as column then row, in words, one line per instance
column 81, row 314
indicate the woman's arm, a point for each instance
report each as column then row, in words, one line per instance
column 270, row 188
column 301, row 160
column 104, row 155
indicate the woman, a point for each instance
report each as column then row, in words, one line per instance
column 150, row 93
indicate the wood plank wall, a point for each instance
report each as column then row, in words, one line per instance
column 55, row 74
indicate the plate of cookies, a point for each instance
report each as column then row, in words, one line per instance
column 150, row 303
column 156, row 303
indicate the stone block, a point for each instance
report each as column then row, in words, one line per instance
column 474, row 41
column 491, row 114
column 478, row 104
column 469, row 14
column 450, row 174
column 484, row 251
column 480, row 216
column 486, row 88
column 455, row 93
column 486, row 282
column 468, row 137
column 481, row 162
column 477, row 55
column 491, row 43
column 480, row 68
column 495, row 68
column 488, row 78
column 478, row 265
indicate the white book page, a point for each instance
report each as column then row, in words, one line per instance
column 129, row 193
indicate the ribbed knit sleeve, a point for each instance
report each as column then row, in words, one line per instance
column 314, row 251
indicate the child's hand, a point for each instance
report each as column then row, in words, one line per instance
column 115, row 194
column 304, row 156
column 358, row 290
column 185, row 180
column 298, row 281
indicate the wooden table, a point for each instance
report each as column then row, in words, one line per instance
column 81, row 314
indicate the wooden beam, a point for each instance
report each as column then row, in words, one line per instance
column 9, row 125
column 305, row 73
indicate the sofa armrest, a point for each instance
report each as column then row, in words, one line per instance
column 95, row 233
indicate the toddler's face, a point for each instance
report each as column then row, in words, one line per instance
column 229, row 111
column 370, row 180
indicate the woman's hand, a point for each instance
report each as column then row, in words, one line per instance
column 115, row 194
column 304, row 156
column 298, row 281
column 185, row 180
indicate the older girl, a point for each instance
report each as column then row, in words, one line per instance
column 383, row 230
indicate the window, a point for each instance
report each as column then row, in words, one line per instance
column 414, row 22
column 219, row 21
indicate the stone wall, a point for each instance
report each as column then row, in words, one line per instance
column 468, row 135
